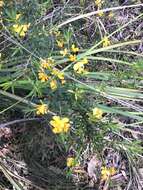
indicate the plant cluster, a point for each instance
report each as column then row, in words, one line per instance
column 88, row 94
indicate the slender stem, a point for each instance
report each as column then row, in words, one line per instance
column 17, row 98
column 21, row 100
column 19, row 121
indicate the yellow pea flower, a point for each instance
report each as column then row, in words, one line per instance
column 111, row 14
column 55, row 71
column 106, row 173
column 64, row 52
column 16, row 28
column 60, row 43
column 21, row 29
column 70, row 162
column 57, row 33
column 101, row 13
column 43, row 76
column 112, row 171
column 46, row 64
column 58, row 73
column 1, row 4
column 74, row 49
column 106, row 41
column 61, row 76
column 25, row 27
column 63, row 81
column 56, row 130
column 98, row 3
column 78, row 67
column 97, row 113
column 17, row 16
column 51, row 61
column 72, row 58
column 41, row 109
column 84, row 61
column 53, row 84
column 60, row 125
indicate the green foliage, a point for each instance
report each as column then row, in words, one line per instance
column 110, row 81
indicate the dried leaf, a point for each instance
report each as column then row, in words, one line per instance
column 92, row 167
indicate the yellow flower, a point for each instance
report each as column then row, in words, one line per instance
column 17, row 28
column 60, row 125
column 17, row 16
column 41, row 109
column 111, row 14
column 53, row 84
column 97, row 113
column 101, row 13
column 55, row 71
column 107, row 172
column 74, row 49
column 60, row 43
column 1, row 4
column 106, row 41
column 84, row 61
column 58, row 73
column 57, row 33
column 63, row 81
column 50, row 61
column 21, row 29
column 56, row 130
column 98, row 3
column 78, row 67
column 64, row 52
column 70, row 162
column 112, row 171
column 61, row 76
column 72, row 58
column 46, row 64
column 43, row 76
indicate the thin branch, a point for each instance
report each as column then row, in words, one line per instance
column 19, row 121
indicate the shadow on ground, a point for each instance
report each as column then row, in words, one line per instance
column 32, row 153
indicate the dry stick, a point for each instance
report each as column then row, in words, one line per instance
column 131, row 131
column 137, row 108
column 25, row 180
column 19, row 121
column 96, row 12
column 125, row 52
column 12, row 175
